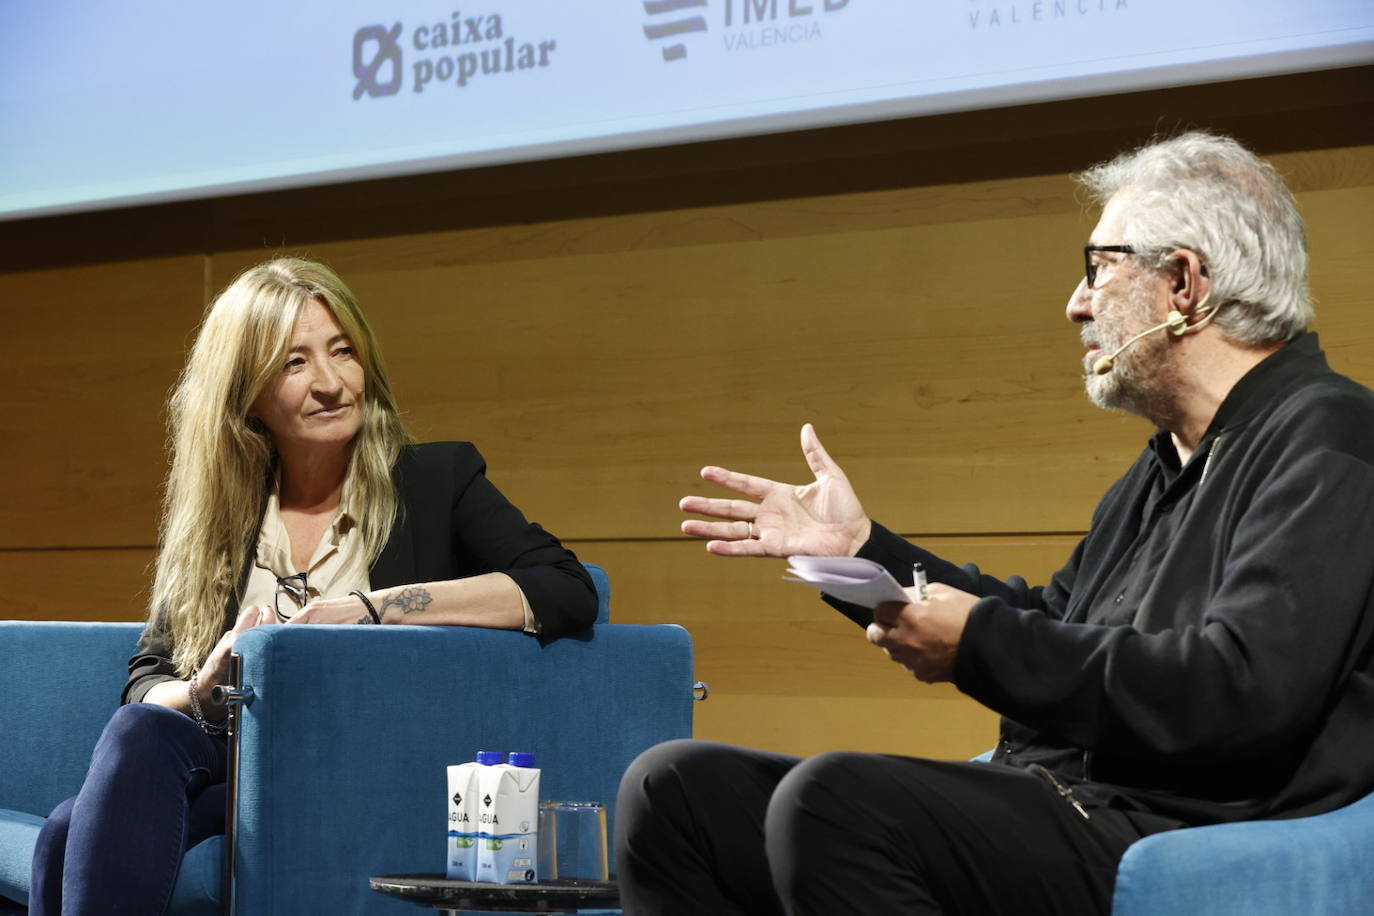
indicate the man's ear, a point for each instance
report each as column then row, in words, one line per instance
column 1189, row 283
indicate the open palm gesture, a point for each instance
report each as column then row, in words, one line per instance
column 821, row 518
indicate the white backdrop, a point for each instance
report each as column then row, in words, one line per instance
column 105, row 104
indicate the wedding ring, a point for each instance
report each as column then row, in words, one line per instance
column 752, row 535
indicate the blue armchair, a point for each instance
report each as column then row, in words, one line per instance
column 1316, row 866
column 344, row 742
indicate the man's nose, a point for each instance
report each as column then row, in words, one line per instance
column 1080, row 307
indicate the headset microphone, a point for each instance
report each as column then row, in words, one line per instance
column 1177, row 324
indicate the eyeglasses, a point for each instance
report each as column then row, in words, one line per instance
column 295, row 588
column 1090, row 266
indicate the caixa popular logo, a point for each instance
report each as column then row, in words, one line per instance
column 743, row 24
column 458, row 50
column 376, row 49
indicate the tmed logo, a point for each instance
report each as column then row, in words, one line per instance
column 745, row 24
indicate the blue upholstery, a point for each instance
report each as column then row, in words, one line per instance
column 345, row 743
column 59, row 685
column 1316, row 866
column 602, row 583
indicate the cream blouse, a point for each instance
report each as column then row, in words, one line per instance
column 337, row 568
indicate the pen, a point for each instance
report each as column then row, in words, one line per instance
column 918, row 578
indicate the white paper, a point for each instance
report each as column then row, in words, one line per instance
column 852, row 579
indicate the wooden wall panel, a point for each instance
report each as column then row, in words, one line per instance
column 91, row 353
column 604, row 326
column 76, row 584
column 932, row 356
column 622, row 371
column 1340, row 238
column 627, row 390
column 789, row 673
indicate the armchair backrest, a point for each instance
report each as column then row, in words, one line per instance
column 59, row 685
column 603, row 592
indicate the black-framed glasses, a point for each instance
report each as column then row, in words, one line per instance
column 296, row 589
column 1090, row 266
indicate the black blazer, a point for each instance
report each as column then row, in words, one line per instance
column 454, row 523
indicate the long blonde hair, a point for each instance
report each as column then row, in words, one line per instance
column 220, row 461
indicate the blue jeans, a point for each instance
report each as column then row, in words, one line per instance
column 154, row 790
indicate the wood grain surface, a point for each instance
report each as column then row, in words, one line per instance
column 602, row 327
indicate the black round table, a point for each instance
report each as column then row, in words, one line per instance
column 434, row 890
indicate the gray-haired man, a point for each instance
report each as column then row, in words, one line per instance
column 1204, row 655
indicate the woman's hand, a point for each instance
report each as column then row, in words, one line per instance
column 923, row 636
column 349, row 609
column 216, row 667
column 822, row 518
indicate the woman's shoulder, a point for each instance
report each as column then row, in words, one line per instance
column 430, row 460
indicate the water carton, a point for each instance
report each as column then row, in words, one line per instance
column 508, row 822
column 463, row 828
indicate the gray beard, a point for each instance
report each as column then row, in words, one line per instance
column 1143, row 384
column 1142, row 380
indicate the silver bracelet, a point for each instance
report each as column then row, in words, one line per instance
column 205, row 725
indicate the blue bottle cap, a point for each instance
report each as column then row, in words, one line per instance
column 489, row 758
column 520, row 759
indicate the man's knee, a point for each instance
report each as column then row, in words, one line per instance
column 701, row 785
column 663, row 757
column 821, row 787
column 645, row 773
column 643, row 785
column 839, row 797
column 823, row 817
column 682, row 761
column 663, row 771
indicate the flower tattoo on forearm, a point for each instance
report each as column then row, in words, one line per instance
column 409, row 599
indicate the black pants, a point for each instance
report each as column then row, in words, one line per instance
column 705, row 828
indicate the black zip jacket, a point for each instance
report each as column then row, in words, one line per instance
column 1206, row 652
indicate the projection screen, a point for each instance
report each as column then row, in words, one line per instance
column 105, row 105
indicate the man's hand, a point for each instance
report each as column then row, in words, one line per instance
column 822, row 518
column 923, row 636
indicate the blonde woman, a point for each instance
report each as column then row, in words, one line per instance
column 294, row 497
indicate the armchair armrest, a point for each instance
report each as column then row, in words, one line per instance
column 1318, row 866
column 346, row 739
